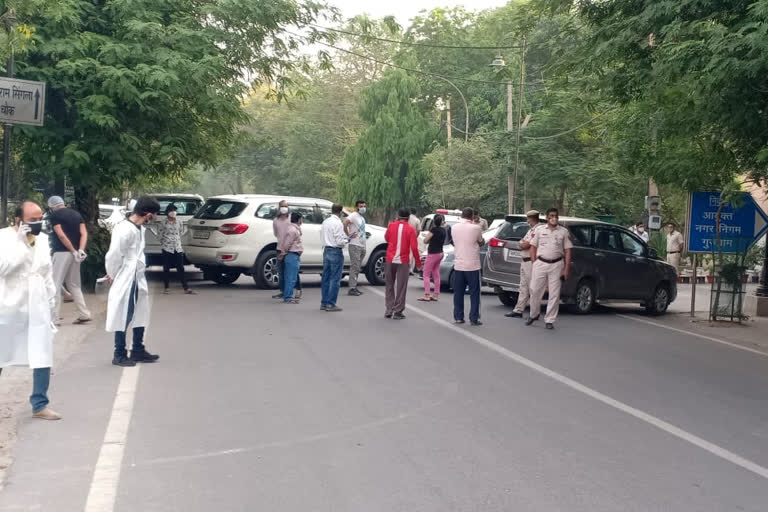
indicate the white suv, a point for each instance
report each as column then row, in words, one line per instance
column 232, row 235
column 186, row 204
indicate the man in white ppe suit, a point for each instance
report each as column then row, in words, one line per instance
column 128, row 301
column 27, row 303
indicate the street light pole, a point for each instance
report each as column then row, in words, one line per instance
column 762, row 289
column 519, row 123
column 466, row 107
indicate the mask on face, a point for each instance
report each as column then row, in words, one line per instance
column 283, row 210
column 362, row 210
column 172, row 215
column 640, row 229
column 35, row 227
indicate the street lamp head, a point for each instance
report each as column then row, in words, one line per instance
column 498, row 62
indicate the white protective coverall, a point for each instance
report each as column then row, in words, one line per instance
column 125, row 264
column 27, row 301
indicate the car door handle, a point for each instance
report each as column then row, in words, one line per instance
column 630, row 260
column 599, row 255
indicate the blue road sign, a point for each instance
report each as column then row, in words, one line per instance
column 739, row 227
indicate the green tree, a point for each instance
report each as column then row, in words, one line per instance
column 141, row 88
column 466, row 174
column 385, row 165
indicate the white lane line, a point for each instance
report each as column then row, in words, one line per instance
column 106, row 476
column 697, row 335
column 600, row 397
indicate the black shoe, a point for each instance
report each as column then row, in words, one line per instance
column 398, row 316
column 459, row 321
column 476, row 324
column 549, row 326
column 123, row 361
column 354, row 292
column 333, row 309
column 387, row 315
column 514, row 314
column 143, row 357
column 531, row 319
column 278, row 296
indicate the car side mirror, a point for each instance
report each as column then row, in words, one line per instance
column 653, row 253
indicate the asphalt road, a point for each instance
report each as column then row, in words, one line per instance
column 259, row 406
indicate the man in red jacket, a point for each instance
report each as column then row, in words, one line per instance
column 401, row 240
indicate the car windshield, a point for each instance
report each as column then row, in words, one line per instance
column 513, row 230
column 219, row 209
column 185, row 205
column 105, row 213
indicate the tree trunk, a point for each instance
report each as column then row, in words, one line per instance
column 87, row 203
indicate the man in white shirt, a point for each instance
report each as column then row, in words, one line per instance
column 355, row 223
column 640, row 231
column 334, row 239
column 675, row 242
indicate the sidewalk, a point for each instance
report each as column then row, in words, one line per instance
column 751, row 333
column 16, row 382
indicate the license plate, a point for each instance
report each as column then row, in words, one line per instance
column 511, row 256
column 201, row 234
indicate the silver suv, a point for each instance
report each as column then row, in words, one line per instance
column 609, row 263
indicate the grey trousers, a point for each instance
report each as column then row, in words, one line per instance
column 67, row 271
column 356, row 256
column 396, row 286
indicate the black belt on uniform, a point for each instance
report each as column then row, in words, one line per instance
column 526, row 260
column 550, row 261
column 673, row 252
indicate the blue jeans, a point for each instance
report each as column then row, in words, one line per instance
column 41, row 378
column 138, row 332
column 281, row 277
column 290, row 275
column 462, row 279
column 333, row 264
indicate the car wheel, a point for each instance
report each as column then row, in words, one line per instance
column 659, row 301
column 447, row 284
column 585, row 297
column 222, row 276
column 265, row 271
column 509, row 299
column 374, row 272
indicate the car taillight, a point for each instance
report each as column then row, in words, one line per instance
column 495, row 242
column 233, row 229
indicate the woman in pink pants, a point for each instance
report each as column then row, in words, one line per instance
column 435, row 240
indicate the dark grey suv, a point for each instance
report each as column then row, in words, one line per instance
column 609, row 263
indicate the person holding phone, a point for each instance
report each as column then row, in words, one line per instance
column 28, row 298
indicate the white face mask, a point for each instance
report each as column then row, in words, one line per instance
column 172, row 215
column 640, row 229
column 362, row 210
column 283, row 210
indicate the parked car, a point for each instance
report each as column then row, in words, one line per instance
column 110, row 215
column 187, row 205
column 232, row 235
column 446, row 265
column 609, row 263
column 451, row 217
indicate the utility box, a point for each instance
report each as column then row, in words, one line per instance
column 654, row 222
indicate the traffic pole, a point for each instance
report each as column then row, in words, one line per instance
column 694, row 278
column 5, row 181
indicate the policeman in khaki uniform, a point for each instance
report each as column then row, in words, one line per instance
column 526, row 266
column 550, row 245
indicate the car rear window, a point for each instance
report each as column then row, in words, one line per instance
column 186, row 206
column 219, row 209
column 512, row 230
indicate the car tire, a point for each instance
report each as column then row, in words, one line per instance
column 374, row 271
column 659, row 301
column 584, row 299
column 509, row 299
column 265, row 273
column 222, row 277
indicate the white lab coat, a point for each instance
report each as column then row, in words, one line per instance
column 125, row 264
column 27, row 300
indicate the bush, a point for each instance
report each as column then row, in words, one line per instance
column 93, row 267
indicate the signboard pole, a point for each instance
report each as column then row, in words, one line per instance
column 694, row 278
column 5, row 181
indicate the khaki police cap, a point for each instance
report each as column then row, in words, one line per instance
column 532, row 213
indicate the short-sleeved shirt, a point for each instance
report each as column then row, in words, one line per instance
column 437, row 241
column 466, row 238
column 551, row 243
column 675, row 242
column 357, row 225
column 526, row 253
column 70, row 221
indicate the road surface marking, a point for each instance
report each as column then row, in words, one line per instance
column 600, row 397
column 691, row 333
column 106, row 476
